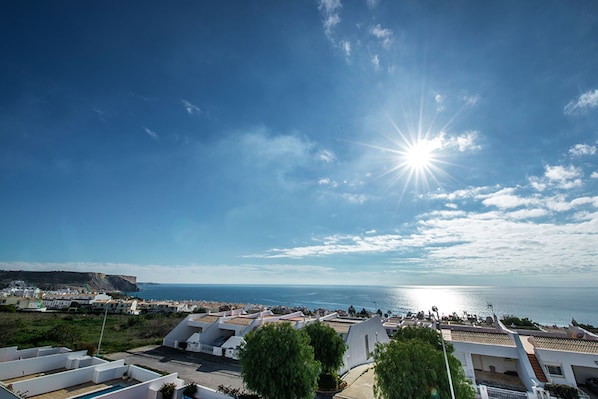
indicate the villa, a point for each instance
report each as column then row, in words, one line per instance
column 59, row 373
column 521, row 362
column 221, row 333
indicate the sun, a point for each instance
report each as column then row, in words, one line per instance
column 419, row 156
column 416, row 161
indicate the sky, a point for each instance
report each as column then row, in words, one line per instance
column 306, row 142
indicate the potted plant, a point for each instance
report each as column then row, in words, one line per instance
column 190, row 390
column 167, row 389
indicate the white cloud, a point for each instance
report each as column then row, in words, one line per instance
column 582, row 149
column 586, row 101
column 505, row 231
column 564, row 177
column 372, row 3
column 330, row 9
column 506, row 199
column 376, row 62
column 594, row 175
column 346, row 47
column 439, row 99
column 327, row 156
column 462, row 194
column 355, row 198
column 191, row 108
column 151, row 133
column 472, row 99
column 463, row 142
column 384, row 35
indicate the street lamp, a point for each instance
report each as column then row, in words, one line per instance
column 102, row 332
column 448, row 370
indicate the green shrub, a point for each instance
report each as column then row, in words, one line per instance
column 190, row 389
column 168, row 389
column 562, row 391
column 328, row 381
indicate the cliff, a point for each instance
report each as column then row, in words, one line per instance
column 95, row 282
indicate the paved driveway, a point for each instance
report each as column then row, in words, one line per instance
column 209, row 371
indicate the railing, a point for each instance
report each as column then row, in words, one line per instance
column 499, row 393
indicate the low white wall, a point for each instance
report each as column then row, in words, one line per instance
column 13, row 352
column 109, row 371
column 209, row 393
column 34, row 365
column 53, row 382
column 141, row 374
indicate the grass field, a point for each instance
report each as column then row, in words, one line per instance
column 82, row 331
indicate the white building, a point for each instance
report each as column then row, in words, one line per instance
column 60, row 374
column 500, row 358
column 222, row 333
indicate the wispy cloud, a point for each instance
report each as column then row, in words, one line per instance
column 579, row 150
column 383, row 35
column 151, row 133
column 505, row 230
column 346, row 47
column 376, row 62
column 471, row 99
column 372, row 3
column 439, row 99
column 463, row 142
column 330, row 10
column 587, row 100
column 191, row 108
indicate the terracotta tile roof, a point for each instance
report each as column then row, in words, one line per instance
column 481, row 338
column 240, row 321
column 565, row 344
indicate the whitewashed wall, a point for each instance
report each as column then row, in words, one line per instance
column 34, row 365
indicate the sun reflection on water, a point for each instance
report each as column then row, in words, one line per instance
column 448, row 299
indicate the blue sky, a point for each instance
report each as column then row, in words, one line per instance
column 318, row 142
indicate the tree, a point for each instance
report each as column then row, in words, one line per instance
column 412, row 365
column 278, row 362
column 329, row 347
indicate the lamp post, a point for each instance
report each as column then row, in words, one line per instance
column 102, row 332
column 448, row 370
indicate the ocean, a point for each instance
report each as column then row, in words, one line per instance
column 547, row 306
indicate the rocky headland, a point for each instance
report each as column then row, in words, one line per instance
column 82, row 281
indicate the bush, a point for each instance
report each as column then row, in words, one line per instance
column 562, row 391
column 328, row 382
column 237, row 393
column 168, row 389
column 190, row 389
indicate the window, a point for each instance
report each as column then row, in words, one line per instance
column 554, row 370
